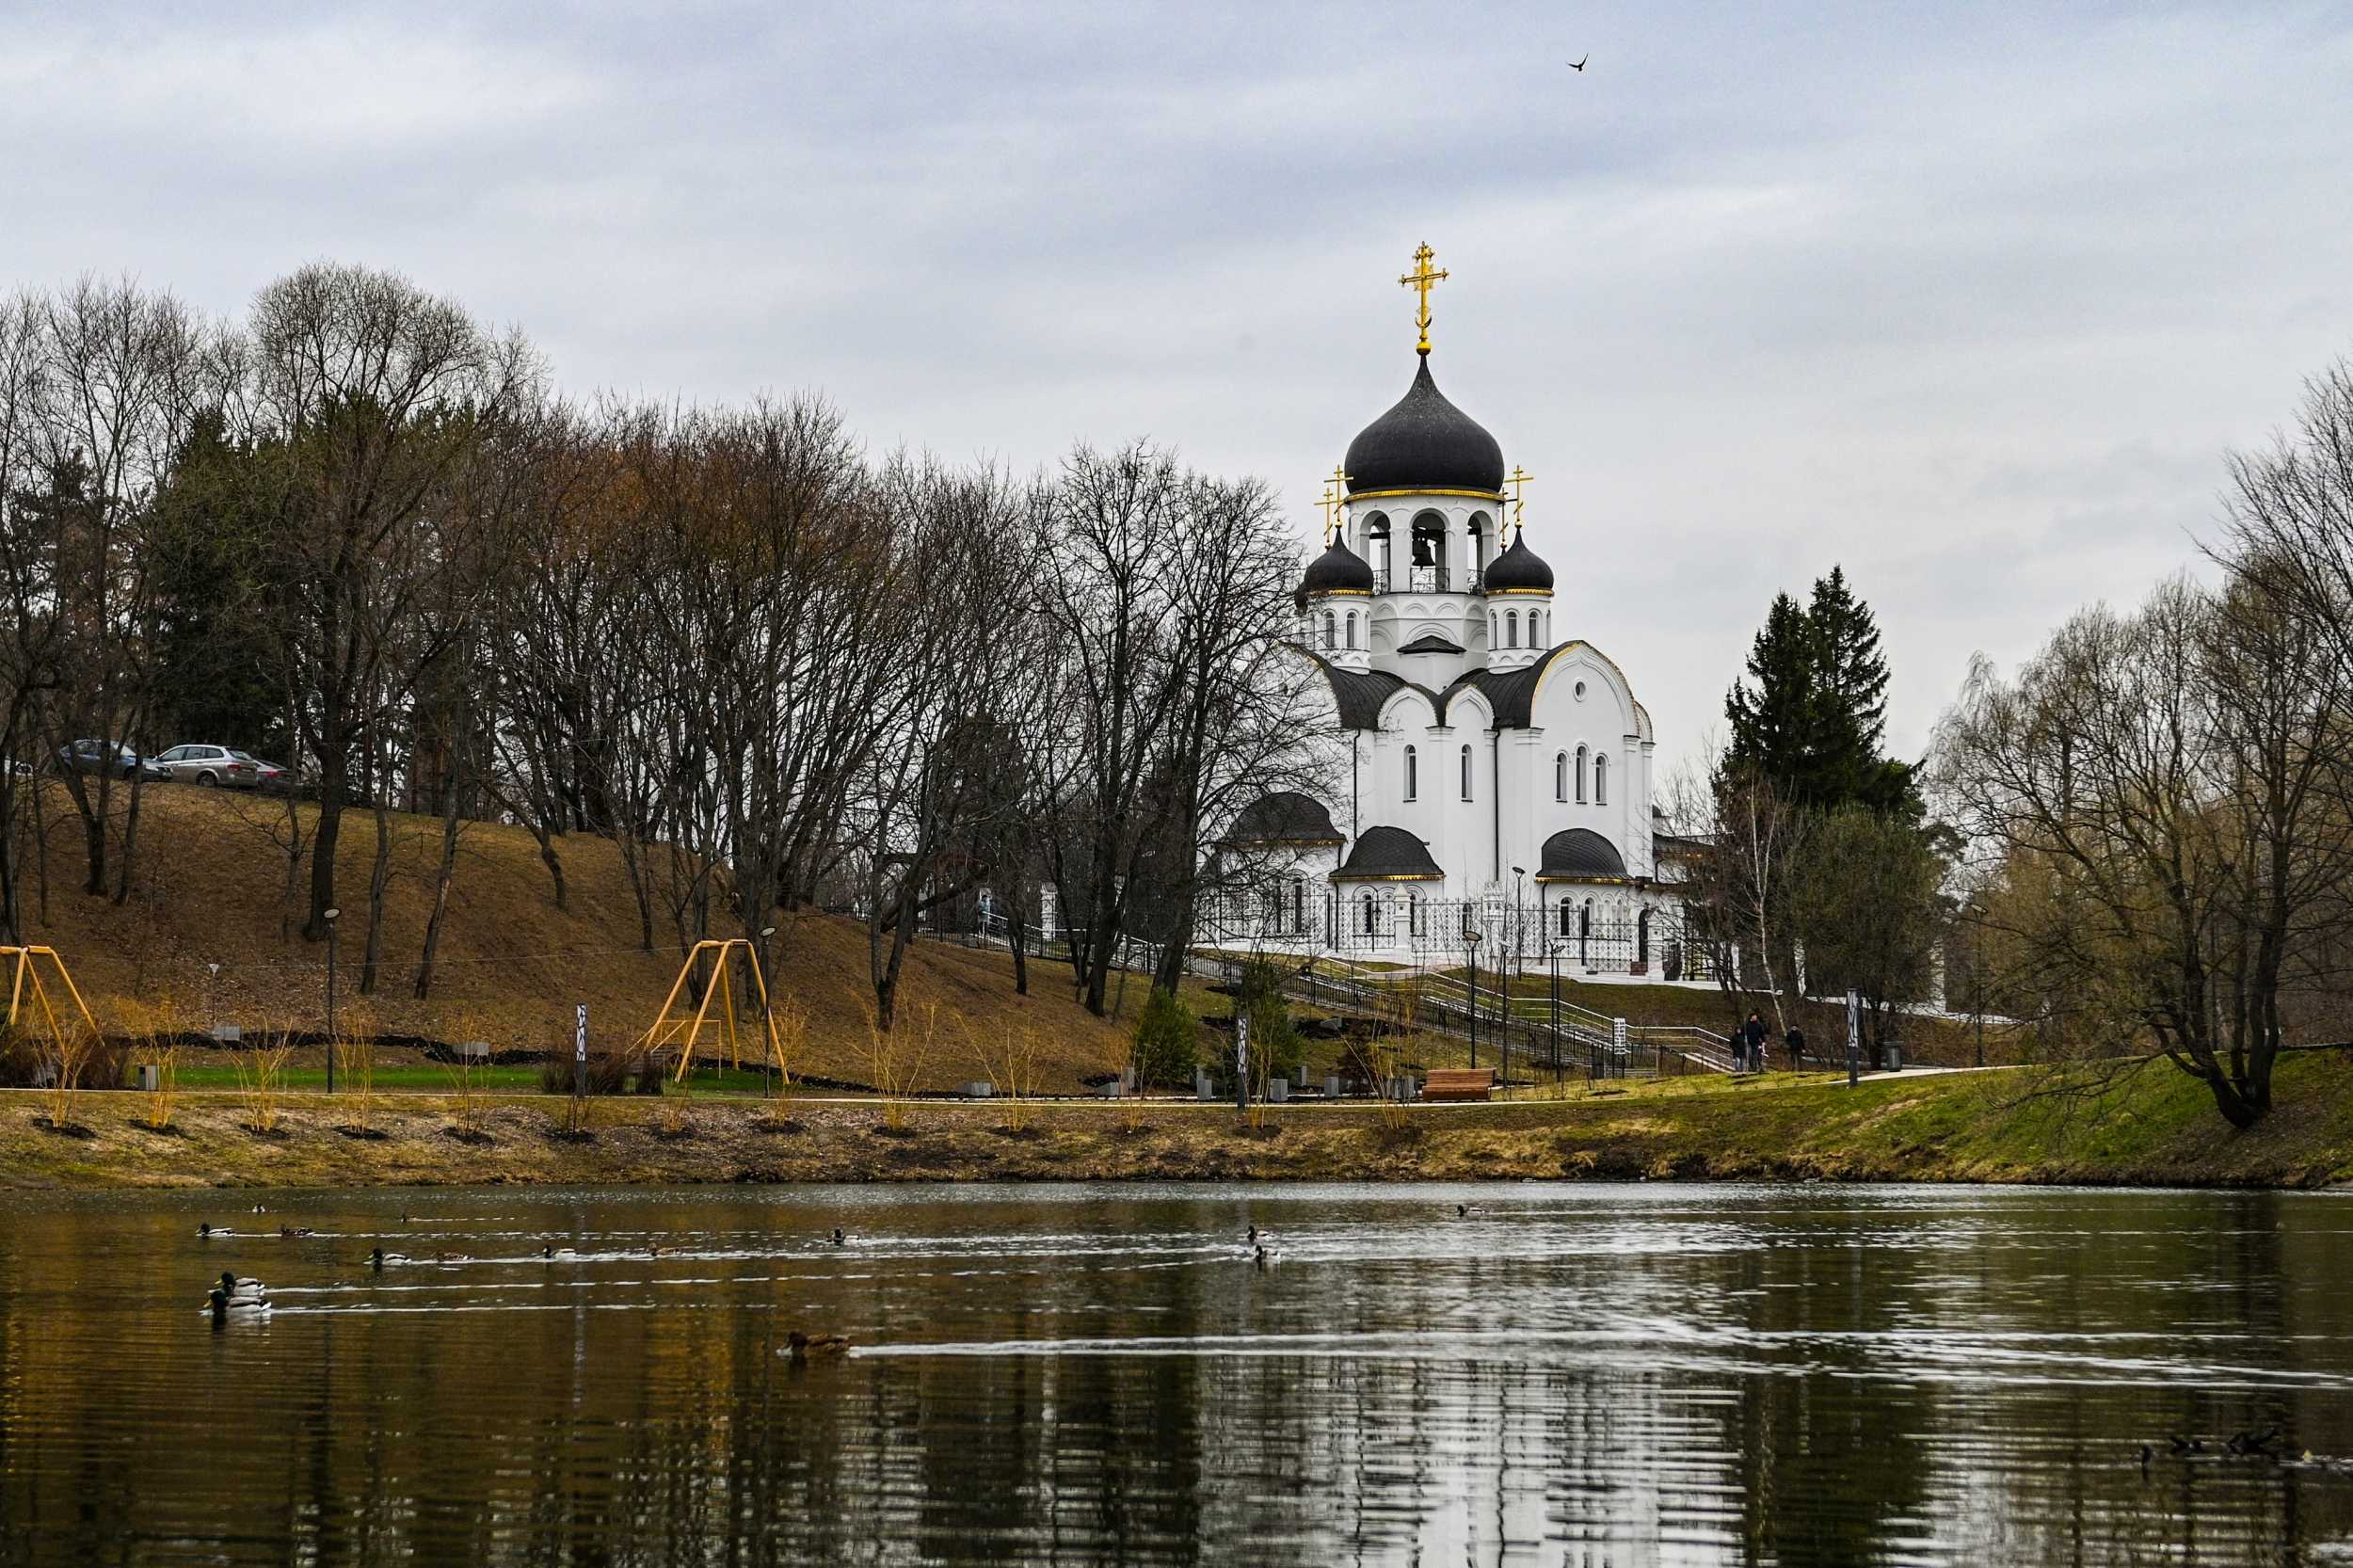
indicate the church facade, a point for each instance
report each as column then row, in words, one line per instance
column 1484, row 771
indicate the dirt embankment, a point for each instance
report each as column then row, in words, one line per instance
column 2152, row 1127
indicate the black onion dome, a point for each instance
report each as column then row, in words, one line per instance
column 1519, row 568
column 1338, row 569
column 1389, row 854
column 1579, row 855
column 1284, row 817
column 1424, row 443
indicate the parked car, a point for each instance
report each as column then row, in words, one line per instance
column 87, row 756
column 210, row 764
column 272, row 776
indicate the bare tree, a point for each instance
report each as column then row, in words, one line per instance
column 373, row 395
column 2165, row 793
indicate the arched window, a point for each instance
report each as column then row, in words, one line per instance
column 1511, row 629
column 1377, row 542
column 1299, row 905
column 1368, row 925
column 1479, row 540
column 1466, row 772
column 1330, row 629
column 1584, row 931
column 1560, row 776
column 1412, row 914
column 1641, row 937
column 1352, row 629
column 1601, row 781
column 1495, row 631
column 1413, row 774
column 1535, row 628
column 1568, row 917
column 1580, row 775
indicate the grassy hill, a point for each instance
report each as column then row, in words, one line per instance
column 210, row 889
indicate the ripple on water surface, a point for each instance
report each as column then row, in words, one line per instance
column 1565, row 1374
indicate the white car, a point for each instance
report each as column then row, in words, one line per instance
column 201, row 764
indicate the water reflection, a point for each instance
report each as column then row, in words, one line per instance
column 1580, row 1375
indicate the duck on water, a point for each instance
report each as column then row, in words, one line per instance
column 238, row 1296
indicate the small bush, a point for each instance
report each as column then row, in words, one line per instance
column 608, row 1073
column 1275, row 1044
column 1167, row 1046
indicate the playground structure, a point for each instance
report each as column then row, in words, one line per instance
column 26, row 986
column 671, row 1027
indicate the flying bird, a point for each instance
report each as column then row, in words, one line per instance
column 1579, row 65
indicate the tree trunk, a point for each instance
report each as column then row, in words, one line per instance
column 322, row 843
column 549, row 858
column 130, row 844
column 1017, row 932
column 448, row 875
column 378, row 875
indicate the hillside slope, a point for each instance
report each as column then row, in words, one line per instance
column 209, row 890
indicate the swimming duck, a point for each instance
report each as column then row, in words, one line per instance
column 552, row 1250
column 378, row 1258
column 240, row 1292
column 838, row 1237
column 208, row 1230
column 652, row 1251
column 1263, row 1258
column 259, row 1209
column 451, row 1257
column 223, row 1304
column 292, row 1231
column 802, row 1346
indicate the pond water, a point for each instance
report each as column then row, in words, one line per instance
column 1566, row 1374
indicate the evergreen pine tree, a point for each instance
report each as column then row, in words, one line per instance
column 1773, row 719
column 1812, row 722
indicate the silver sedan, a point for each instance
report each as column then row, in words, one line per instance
column 204, row 764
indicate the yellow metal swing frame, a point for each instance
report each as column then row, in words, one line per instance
column 673, row 1027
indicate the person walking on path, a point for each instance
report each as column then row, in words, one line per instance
column 1757, row 1042
column 1795, row 1040
column 1737, row 1042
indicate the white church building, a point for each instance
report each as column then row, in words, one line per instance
column 1487, row 771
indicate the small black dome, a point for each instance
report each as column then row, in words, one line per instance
column 1519, row 568
column 1424, row 443
column 1338, row 569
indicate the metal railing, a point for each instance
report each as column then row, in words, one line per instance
column 1429, row 580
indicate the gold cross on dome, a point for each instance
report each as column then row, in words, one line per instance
column 1518, row 481
column 1335, row 498
column 1421, row 281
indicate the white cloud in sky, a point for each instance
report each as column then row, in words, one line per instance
column 1971, row 299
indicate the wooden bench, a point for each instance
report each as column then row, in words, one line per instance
column 1458, row 1084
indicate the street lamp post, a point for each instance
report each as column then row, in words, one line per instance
column 1555, row 947
column 768, row 1057
column 1470, row 943
column 330, row 917
column 1518, row 955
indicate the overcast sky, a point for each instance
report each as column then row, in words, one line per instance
column 1972, row 302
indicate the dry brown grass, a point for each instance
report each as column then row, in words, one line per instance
column 150, row 1030
column 1012, row 1062
column 262, row 1083
column 509, row 960
column 896, row 1057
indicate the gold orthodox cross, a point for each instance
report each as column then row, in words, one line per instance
column 1421, row 281
column 1518, row 481
column 1335, row 498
